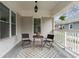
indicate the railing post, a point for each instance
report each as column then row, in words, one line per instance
column 65, row 39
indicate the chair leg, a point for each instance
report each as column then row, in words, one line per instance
column 44, row 44
column 22, row 44
column 33, row 42
column 52, row 44
column 25, row 43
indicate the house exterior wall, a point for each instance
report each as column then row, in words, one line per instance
column 46, row 26
column 8, row 43
column 26, row 26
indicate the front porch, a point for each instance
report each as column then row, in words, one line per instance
column 21, row 19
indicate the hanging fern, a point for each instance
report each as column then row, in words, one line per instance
column 62, row 18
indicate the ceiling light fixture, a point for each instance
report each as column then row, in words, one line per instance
column 36, row 7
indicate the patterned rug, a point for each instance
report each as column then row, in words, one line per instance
column 37, row 53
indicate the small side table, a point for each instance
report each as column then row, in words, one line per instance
column 38, row 37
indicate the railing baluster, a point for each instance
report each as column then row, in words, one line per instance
column 68, row 39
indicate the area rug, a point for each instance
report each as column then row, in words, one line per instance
column 37, row 53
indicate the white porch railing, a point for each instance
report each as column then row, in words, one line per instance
column 60, row 38
column 68, row 40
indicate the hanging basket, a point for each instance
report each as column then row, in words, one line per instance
column 62, row 18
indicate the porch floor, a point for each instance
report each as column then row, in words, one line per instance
column 38, row 52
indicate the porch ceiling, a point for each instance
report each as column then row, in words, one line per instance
column 45, row 8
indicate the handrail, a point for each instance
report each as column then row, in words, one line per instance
column 68, row 39
column 67, row 30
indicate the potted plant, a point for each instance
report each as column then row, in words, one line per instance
column 62, row 18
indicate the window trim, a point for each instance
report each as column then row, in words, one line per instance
column 10, row 23
column 2, row 21
column 13, row 24
column 33, row 24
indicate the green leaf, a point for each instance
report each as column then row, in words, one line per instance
column 62, row 18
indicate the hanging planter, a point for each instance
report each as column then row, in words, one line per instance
column 62, row 18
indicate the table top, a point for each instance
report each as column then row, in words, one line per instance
column 37, row 36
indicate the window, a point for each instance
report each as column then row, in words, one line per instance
column 37, row 25
column 4, row 21
column 0, row 29
column 70, row 26
column 13, row 23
